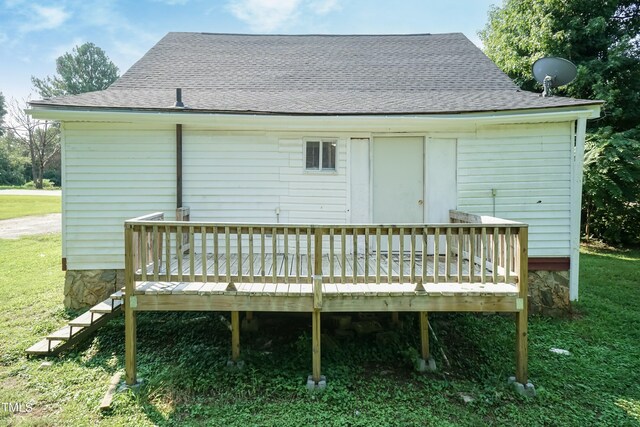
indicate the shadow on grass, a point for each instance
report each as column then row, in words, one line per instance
column 182, row 358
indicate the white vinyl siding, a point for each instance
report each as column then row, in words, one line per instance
column 117, row 173
column 313, row 198
column 247, row 178
column 112, row 173
column 529, row 166
column 230, row 177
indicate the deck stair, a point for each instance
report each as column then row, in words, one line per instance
column 79, row 328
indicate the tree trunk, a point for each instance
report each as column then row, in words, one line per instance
column 587, row 222
column 34, row 171
column 34, row 160
column 38, row 180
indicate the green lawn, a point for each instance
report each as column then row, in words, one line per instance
column 17, row 206
column 182, row 358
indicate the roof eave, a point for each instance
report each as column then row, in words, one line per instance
column 590, row 110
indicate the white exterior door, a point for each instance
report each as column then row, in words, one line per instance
column 398, row 180
column 398, row 183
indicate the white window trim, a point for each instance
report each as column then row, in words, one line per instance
column 320, row 169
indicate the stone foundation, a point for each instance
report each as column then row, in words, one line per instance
column 549, row 293
column 84, row 288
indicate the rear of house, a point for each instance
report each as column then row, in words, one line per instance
column 318, row 130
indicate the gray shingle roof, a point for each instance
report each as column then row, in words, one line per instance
column 315, row 74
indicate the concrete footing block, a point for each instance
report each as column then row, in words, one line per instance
column 320, row 385
column 527, row 390
column 425, row 365
column 133, row 387
column 237, row 365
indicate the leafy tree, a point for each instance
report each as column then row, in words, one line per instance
column 12, row 163
column 86, row 69
column 3, row 112
column 603, row 40
column 611, row 191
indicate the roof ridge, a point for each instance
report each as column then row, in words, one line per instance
column 317, row 34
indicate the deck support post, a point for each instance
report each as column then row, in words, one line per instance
column 235, row 336
column 521, row 346
column 316, row 380
column 424, row 335
column 395, row 319
column 522, row 314
column 129, row 313
column 130, row 344
column 250, row 323
column 315, row 326
column 425, row 362
column 522, row 384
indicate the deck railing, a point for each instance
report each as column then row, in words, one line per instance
column 499, row 252
column 490, row 251
column 145, row 246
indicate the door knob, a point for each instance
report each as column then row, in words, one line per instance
column 420, row 202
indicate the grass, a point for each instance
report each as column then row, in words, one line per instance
column 182, row 358
column 18, row 206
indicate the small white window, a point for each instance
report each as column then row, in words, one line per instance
column 320, row 155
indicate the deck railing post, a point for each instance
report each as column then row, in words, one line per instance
column 317, row 270
column 130, row 303
column 317, row 304
column 522, row 313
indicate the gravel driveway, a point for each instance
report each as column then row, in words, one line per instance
column 15, row 228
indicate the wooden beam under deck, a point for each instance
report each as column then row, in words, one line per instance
column 210, row 302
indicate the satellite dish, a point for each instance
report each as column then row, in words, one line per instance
column 553, row 72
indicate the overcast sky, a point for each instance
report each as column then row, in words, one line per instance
column 34, row 33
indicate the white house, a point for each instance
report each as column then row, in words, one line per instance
column 318, row 129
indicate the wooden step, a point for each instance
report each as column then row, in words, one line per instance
column 64, row 333
column 45, row 347
column 106, row 306
column 86, row 319
column 82, row 327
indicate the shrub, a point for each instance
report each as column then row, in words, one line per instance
column 46, row 185
column 611, row 191
column 53, row 175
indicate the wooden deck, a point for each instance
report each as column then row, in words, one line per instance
column 297, row 281
column 297, row 266
column 189, row 266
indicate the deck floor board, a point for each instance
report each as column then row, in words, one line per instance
column 297, row 266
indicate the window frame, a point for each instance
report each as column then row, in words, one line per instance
column 321, row 169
